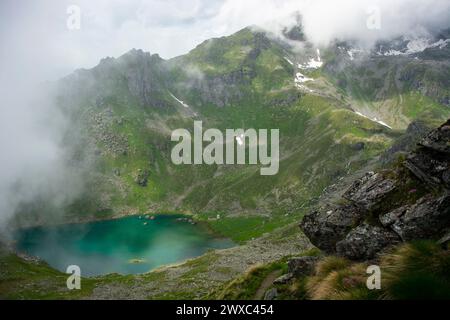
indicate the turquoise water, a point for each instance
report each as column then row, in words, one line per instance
column 129, row 245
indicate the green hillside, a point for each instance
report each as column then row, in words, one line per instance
column 125, row 109
column 335, row 120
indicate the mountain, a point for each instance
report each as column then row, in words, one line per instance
column 338, row 108
column 396, row 86
column 342, row 110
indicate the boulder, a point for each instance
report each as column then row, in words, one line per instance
column 325, row 227
column 438, row 140
column 351, row 231
column 428, row 218
column 369, row 191
column 358, row 146
column 431, row 161
column 285, row 278
column 429, row 168
column 271, row 294
column 365, row 241
column 142, row 177
column 389, row 218
column 302, row 265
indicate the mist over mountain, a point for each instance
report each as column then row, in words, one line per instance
column 119, row 116
column 204, row 79
column 86, row 117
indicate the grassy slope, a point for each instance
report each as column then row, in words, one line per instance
column 317, row 138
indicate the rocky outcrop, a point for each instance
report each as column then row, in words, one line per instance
column 386, row 208
column 414, row 133
column 365, row 241
column 368, row 192
column 271, row 294
column 145, row 78
column 326, row 227
column 425, row 219
column 438, row 140
column 135, row 77
column 299, row 266
column 142, row 177
column 430, row 162
column 230, row 86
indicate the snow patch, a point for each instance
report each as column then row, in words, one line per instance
column 313, row 63
column 391, row 53
column 350, row 53
column 417, row 45
column 180, row 101
column 300, row 78
column 290, row 62
column 374, row 120
column 353, row 52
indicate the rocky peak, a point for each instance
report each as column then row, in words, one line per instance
column 295, row 33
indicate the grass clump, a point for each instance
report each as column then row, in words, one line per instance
column 337, row 279
column 418, row 270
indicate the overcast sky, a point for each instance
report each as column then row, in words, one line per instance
column 34, row 33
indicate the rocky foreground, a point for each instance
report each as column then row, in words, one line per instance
column 409, row 202
column 396, row 218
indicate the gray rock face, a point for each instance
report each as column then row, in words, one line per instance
column 438, row 140
column 365, row 241
column 431, row 162
column 223, row 90
column 325, row 228
column 414, row 133
column 229, row 88
column 271, row 294
column 445, row 240
column 142, row 177
column 428, row 218
column 342, row 230
column 144, row 78
column 389, row 218
column 427, row 168
column 369, row 191
column 285, row 278
column 140, row 72
column 302, row 265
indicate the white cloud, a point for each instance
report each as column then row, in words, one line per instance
column 173, row 27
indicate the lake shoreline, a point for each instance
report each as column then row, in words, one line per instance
column 188, row 238
column 202, row 222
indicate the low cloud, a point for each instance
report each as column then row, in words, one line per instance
column 38, row 29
